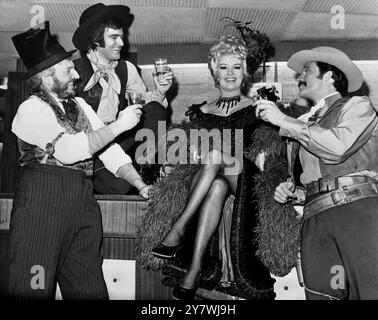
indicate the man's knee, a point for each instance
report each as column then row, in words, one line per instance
column 153, row 112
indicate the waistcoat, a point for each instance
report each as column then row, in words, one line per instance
column 93, row 96
column 32, row 154
column 365, row 158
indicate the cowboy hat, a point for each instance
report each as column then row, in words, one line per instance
column 331, row 56
column 38, row 49
column 94, row 15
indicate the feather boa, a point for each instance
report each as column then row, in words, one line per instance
column 278, row 227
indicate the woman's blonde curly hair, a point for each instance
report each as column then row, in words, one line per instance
column 227, row 45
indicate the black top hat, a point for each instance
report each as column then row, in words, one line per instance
column 38, row 49
column 93, row 16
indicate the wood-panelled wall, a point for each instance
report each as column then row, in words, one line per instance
column 17, row 92
column 120, row 216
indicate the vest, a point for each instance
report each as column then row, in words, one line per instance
column 365, row 158
column 93, row 96
column 32, row 154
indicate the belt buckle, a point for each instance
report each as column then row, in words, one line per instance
column 338, row 197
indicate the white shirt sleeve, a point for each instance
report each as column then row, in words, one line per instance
column 136, row 84
column 36, row 124
column 113, row 157
column 134, row 81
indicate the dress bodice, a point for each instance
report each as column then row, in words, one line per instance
column 239, row 119
column 244, row 119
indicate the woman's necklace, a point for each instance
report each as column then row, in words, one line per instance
column 228, row 102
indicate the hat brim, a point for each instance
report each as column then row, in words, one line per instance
column 80, row 37
column 56, row 58
column 337, row 59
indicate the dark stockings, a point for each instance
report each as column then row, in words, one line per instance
column 209, row 191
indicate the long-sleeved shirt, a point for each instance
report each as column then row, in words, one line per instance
column 356, row 124
column 136, row 84
column 36, row 123
column 108, row 106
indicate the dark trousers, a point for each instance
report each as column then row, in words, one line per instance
column 55, row 236
column 339, row 250
column 104, row 181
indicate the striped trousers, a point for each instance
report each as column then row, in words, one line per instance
column 55, row 236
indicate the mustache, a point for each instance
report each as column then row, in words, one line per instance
column 75, row 82
column 300, row 83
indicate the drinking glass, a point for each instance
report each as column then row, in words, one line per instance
column 161, row 66
column 135, row 97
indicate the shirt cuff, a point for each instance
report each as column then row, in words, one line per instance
column 114, row 157
column 291, row 127
column 156, row 96
column 128, row 173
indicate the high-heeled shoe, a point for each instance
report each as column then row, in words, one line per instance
column 165, row 252
column 180, row 293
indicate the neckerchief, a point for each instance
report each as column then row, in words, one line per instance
column 110, row 84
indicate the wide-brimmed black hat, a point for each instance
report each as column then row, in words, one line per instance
column 93, row 16
column 38, row 49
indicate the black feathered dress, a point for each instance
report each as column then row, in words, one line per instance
column 250, row 274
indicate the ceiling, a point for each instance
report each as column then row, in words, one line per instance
column 171, row 22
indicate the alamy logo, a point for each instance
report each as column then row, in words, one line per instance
column 37, row 282
column 338, row 280
column 177, row 146
column 39, row 15
column 338, row 18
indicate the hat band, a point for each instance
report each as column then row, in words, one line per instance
column 49, row 62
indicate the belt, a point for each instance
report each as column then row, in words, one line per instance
column 326, row 185
column 338, row 197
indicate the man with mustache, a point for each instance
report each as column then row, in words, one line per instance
column 106, row 79
column 337, row 147
column 56, row 228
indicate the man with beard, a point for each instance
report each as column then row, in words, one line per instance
column 55, row 228
column 336, row 143
column 106, row 79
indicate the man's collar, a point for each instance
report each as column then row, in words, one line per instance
column 55, row 97
column 321, row 107
column 95, row 60
column 329, row 99
column 59, row 100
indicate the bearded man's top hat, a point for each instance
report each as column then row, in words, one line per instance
column 38, row 49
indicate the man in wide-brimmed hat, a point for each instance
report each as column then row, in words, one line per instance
column 55, row 227
column 336, row 144
column 106, row 79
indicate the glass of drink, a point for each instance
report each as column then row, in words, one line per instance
column 135, row 97
column 161, row 66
